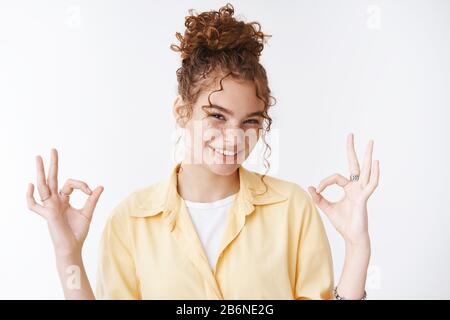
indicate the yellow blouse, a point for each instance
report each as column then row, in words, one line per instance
column 274, row 246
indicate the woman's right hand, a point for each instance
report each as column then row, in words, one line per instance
column 68, row 226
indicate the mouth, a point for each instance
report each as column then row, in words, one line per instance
column 224, row 152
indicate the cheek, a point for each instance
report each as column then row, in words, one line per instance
column 201, row 131
column 210, row 132
column 251, row 138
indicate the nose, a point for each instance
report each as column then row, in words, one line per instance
column 232, row 136
column 237, row 138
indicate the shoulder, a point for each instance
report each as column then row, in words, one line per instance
column 140, row 200
column 291, row 197
column 300, row 207
column 288, row 187
column 290, row 190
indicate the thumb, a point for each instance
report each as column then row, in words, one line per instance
column 314, row 195
column 91, row 202
column 319, row 200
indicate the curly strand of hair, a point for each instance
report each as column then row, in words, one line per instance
column 268, row 121
column 220, row 89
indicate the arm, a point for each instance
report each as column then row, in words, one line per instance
column 73, row 278
column 117, row 275
column 69, row 264
column 68, row 226
column 353, row 277
column 314, row 269
column 349, row 217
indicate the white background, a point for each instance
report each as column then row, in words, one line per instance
column 96, row 80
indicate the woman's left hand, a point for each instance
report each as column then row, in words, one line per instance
column 349, row 215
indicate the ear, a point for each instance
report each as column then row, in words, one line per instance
column 177, row 105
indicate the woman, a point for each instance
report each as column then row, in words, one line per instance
column 213, row 229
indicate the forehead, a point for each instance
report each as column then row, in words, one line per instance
column 237, row 95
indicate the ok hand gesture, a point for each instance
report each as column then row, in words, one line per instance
column 349, row 214
column 68, row 225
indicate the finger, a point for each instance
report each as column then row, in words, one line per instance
column 333, row 179
column 319, row 200
column 31, row 202
column 351, row 154
column 72, row 184
column 52, row 181
column 44, row 191
column 91, row 202
column 367, row 166
column 374, row 179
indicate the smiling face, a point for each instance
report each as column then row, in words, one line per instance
column 222, row 135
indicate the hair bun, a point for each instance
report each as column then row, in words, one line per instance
column 216, row 31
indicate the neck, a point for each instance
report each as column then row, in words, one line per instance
column 197, row 183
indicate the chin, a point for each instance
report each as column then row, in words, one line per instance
column 223, row 169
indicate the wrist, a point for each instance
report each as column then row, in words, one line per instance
column 361, row 241
column 357, row 258
column 68, row 256
column 55, row 219
column 64, row 242
column 360, row 249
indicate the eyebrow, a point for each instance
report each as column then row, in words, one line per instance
column 225, row 110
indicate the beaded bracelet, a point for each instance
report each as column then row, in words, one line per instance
column 338, row 297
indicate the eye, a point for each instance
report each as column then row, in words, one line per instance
column 217, row 116
column 252, row 121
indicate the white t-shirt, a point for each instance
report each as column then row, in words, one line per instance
column 209, row 219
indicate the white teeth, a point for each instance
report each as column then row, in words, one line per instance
column 225, row 152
